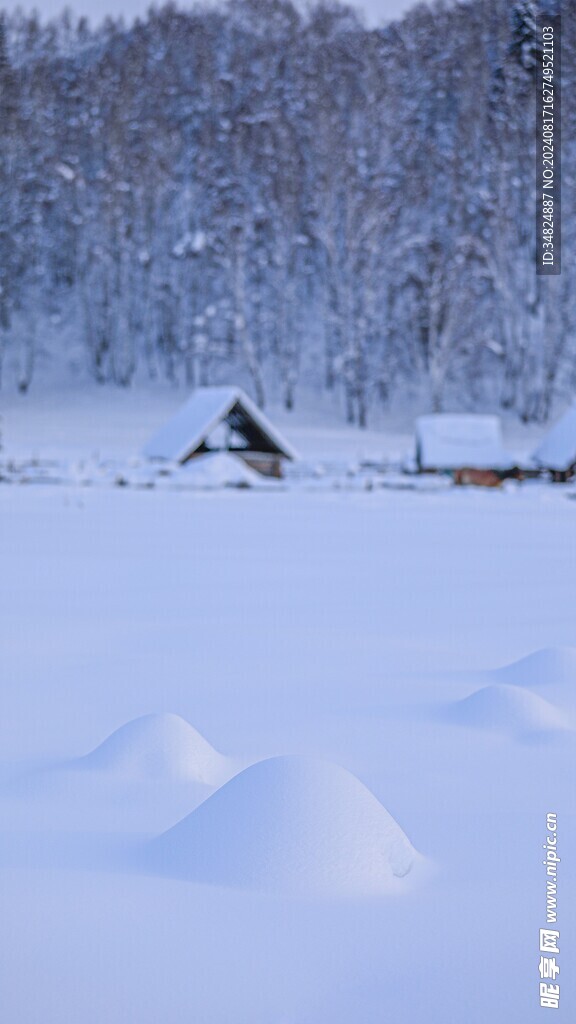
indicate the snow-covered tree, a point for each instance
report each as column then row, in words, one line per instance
column 288, row 198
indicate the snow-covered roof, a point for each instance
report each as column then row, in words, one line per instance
column 558, row 449
column 190, row 427
column 461, row 441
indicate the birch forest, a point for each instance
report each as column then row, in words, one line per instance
column 285, row 198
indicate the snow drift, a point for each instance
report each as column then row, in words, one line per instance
column 548, row 665
column 509, row 709
column 218, row 469
column 162, row 747
column 289, row 824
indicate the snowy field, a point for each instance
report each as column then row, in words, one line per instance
column 368, row 692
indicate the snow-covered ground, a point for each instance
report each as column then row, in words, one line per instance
column 368, row 693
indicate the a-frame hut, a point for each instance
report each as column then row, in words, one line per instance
column 222, row 419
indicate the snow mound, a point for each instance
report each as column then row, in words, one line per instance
column 548, row 665
column 160, row 747
column 293, row 825
column 509, row 709
column 218, row 469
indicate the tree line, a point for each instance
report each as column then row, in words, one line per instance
column 291, row 199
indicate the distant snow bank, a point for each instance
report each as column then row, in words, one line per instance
column 210, row 471
column 509, row 709
column 219, row 469
column 162, row 747
column 509, row 703
column 548, row 665
column 291, row 825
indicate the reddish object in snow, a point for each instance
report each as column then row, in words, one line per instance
column 477, row 477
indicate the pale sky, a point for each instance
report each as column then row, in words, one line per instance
column 376, row 11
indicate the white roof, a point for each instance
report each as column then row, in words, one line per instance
column 201, row 414
column 459, row 441
column 558, row 449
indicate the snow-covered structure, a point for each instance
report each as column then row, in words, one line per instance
column 557, row 452
column 460, row 443
column 222, row 419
